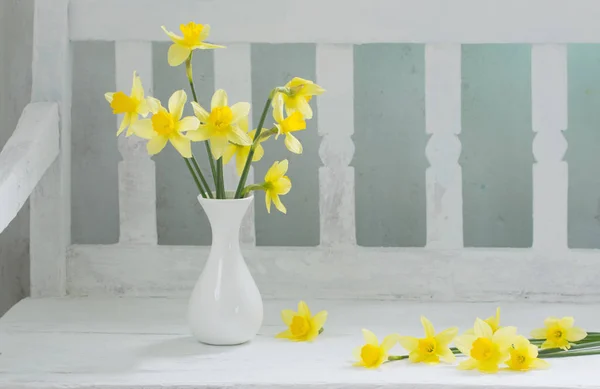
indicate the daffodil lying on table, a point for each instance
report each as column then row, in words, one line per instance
column 487, row 347
column 224, row 129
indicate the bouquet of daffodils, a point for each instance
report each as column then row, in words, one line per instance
column 223, row 128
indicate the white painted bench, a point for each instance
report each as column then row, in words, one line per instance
column 126, row 335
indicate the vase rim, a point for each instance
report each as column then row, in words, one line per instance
column 227, row 193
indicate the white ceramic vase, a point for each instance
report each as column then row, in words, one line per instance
column 225, row 307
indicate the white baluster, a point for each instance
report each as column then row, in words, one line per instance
column 232, row 73
column 137, row 176
column 443, row 122
column 50, row 229
column 335, row 73
column 550, row 172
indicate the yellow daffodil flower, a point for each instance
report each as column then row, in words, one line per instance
column 167, row 126
column 432, row 347
column 276, row 184
column 130, row 106
column 523, row 356
column 559, row 333
column 302, row 326
column 300, row 93
column 241, row 152
column 192, row 39
column 485, row 349
column 493, row 321
column 294, row 122
column 221, row 125
column 372, row 354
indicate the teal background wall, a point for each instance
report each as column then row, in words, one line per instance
column 390, row 142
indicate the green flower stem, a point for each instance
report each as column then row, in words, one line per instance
column 566, row 354
column 242, row 183
column 190, row 76
column 397, row 357
column 250, row 188
column 221, row 189
column 202, row 192
column 199, row 172
column 580, row 346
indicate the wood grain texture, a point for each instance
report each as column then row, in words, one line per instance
column 549, row 119
column 144, row 343
column 26, row 156
column 50, row 227
column 352, row 273
column 443, row 122
column 428, row 21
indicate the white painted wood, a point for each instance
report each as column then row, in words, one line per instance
column 50, row 226
column 353, row 273
column 427, row 21
column 232, row 73
column 443, row 122
column 26, row 156
column 550, row 172
column 144, row 343
column 137, row 174
column 335, row 72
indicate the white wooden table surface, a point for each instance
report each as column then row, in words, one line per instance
column 144, row 343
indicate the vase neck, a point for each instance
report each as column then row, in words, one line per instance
column 225, row 216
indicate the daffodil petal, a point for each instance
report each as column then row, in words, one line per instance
column 200, row 112
column 178, row 54
column 268, row 201
column 133, row 118
column 259, row 152
column 415, row 357
column 137, row 90
column 408, row 342
column 539, row 364
column 446, row 355
column 284, row 185
column 312, row 90
column 124, row 124
column 278, row 204
column 575, row 334
column 188, row 123
column 177, row 103
column 208, row 46
column 205, row 32
column 566, row 322
column 389, row 342
column 240, row 159
column 182, row 144
column 239, row 137
column 304, row 108
column 109, row 96
column 428, row 327
column 174, row 37
column 287, row 315
column 218, row 145
column 319, row 320
column 143, row 129
column 370, row 338
column 283, row 167
column 229, row 153
column 156, row 144
column 539, row 333
column 488, row 367
column 550, row 321
column 143, row 108
column 465, row 342
column 482, row 329
column 293, row 144
column 219, row 99
column 154, row 104
column 356, row 353
column 445, row 337
column 285, row 335
column 469, row 364
column 547, row 344
column 240, row 111
column 505, row 337
column 199, row 134
column 278, row 108
column 303, row 309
